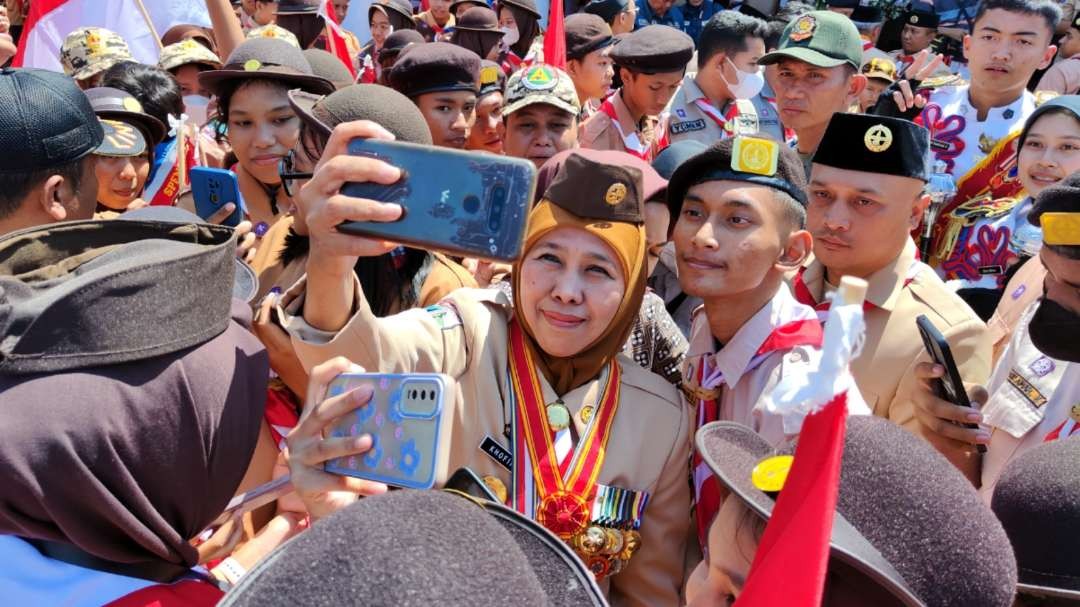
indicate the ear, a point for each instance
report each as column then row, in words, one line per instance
column 798, row 247
column 626, row 75
column 1048, row 57
column 53, row 195
column 572, row 66
column 967, row 45
column 919, row 205
column 856, row 87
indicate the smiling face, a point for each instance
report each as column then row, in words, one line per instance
column 1051, row 151
column 861, row 221
column 808, row 96
column 380, row 26
column 262, row 128
column 489, row 130
column 1005, row 48
column 120, row 180
column 539, row 131
column 571, row 286
column 449, row 116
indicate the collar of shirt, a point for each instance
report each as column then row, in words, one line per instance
column 885, row 285
column 626, row 120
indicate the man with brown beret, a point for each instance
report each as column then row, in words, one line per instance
column 442, row 79
column 588, row 60
column 651, row 62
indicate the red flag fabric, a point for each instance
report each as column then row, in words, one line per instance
column 555, row 37
column 793, row 555
column 335, row 38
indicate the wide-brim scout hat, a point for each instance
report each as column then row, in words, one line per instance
column 88, row 51
column 820, row 38
column 401, row 7
column 882, row 69
column 906, row 519
column 420, row 548
column 267, row 59
column 1037, row 499
column 187, row 31
column 525, row 5
column 380, row 104
column 172, row 282
column 541, row 83
column 456, row 3
column 187, row 52
column 479, row 19
column 115, row 104
column 326, row 65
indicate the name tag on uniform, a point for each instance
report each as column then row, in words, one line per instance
column 1030, row 392
column 678, row 128
column 498, row 453
column 991, row 270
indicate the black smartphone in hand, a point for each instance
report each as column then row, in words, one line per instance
column 950, row 387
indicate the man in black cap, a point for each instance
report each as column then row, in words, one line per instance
column 816, row 74
column 1034, row 394
column 868, row 20
column 443, row 80
column 843, row 7
column 866, row 195
column 619, row 14
column 49, row 134
column 588, row 60
column 651, row 62
column 920, row 29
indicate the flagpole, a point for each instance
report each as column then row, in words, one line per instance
column 149, row 23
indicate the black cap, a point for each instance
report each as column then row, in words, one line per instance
column 492, row 78
column 780, row 169
column 586, row 33
column 380, row 104
column 267, row 59
column 453, row 551
column 654, row 49
column 478, row 19
column 47, row 121
column 526, row 5
column 867, row 14
column 115, row 104
column 328, row 66
column 906, row 519
column 875, row 144
column 922, row 19
column 436, row 66
column 1037, row 499
column 606, row 9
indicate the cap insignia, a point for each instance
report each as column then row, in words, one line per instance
column 122, row 136
column 755, row 155
column 770, row 474
column 93, row 43
column 188, row 45
column 1061, row 228
column 489, row 75
column 878, row 138
column 914, row 19
column 803, row 29
column 132, row 104
column 252, row 65
column 539, row 78
column 615, row 194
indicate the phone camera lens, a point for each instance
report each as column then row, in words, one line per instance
column 471, row 204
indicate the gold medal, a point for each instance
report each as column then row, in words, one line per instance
column 586, row 413
column 558, row 416
column 497, row 487
column 631, row 544
column 600, row 566
column 613, row 542
column 591, row 541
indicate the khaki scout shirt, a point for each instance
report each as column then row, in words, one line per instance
column 466, row 337
column 684, row 119
column 1031, row 394
column 599, row 133
column 884, row 372
column 1025, row 287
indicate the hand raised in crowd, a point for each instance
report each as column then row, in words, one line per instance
column 324, row 493
column 283, row 358
column 907, row 101
column 943, row 417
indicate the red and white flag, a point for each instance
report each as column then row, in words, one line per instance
column 50, row 21
column 335, row 36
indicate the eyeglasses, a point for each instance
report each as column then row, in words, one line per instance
column 286, row 172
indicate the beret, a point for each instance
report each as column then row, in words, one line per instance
column 586, row 33
column 436, row 66
column 654, row 49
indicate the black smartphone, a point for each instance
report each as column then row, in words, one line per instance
column 950, row 387
column 470, row 204
column 467, row 482
column 254, row 499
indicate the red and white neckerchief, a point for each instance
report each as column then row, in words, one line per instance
column 720, row 118
column 1068, row 428
column 631, row 142
column 803, row 330
column 805, row 297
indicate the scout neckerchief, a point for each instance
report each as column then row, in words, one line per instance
column 805, row 297
column 633, row 144
column 565, row 500
column 1067, row 428
column 804, row 330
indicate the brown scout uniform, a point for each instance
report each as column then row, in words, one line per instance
column 598, row 132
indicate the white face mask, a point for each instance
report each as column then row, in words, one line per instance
column 511, row 36
column 747, row 84
column 195, row 107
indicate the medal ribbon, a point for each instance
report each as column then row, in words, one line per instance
column 563, row 501
column 632, row 142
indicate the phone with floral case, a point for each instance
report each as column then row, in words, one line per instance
column 408, row 419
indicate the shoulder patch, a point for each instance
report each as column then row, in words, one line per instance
column 445, row 315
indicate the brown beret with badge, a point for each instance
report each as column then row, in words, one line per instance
column 925, row 19
column 596, row 191
column 875, row 144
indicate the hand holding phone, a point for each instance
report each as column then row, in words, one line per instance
column 951, row 387
column 212, row 189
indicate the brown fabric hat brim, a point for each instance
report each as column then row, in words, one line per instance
column 214, row 80
column 1047, row 591
column 732, row 451
column 303, row 103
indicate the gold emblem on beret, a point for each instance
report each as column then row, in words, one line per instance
column 771, row 473
column 803, row 28
column 132, row 104
column 252, row 65
column 615, row 194
column 755, row 155
column 914, row 19
column 489, row 75
column 1060, row 228
column 497, row 487
column 878, row 138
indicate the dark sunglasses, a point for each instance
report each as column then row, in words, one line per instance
column 287, row 173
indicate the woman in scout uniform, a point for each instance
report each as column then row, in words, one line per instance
column 261, row 126
column 384, row 18
column 520, row 19
column 541, row 385
column 478, row 30
column 123, row 159
column 983, row 237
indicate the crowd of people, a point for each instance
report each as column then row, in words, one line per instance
column 708, row 175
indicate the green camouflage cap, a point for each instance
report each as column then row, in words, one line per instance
column 541, row 84
column 186, row 52
column 820, row 38
column 88, row 51
column 274, row 31
column 121, row 139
